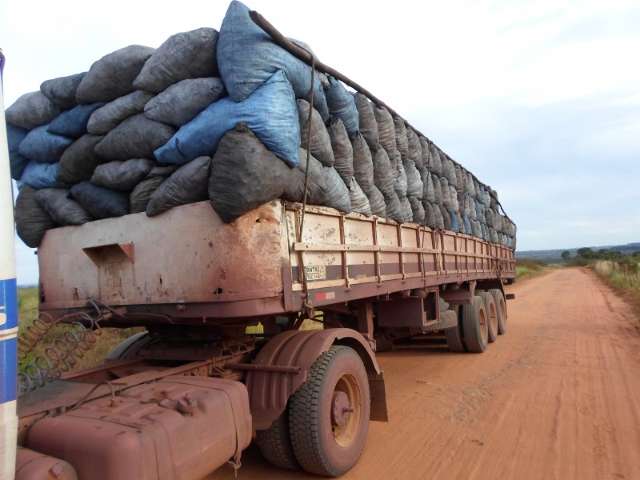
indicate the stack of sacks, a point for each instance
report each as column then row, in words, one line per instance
column 225, row 117
column 82, row 148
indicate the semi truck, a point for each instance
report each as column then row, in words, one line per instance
column 265, row 329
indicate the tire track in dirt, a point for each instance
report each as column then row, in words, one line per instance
column 558, row 397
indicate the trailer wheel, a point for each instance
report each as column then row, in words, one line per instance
column 501, row 310
column 129, row 347
column 454, row 336
column 275, row 444
column 492, row 314
column 475, row 325
column 329, row 414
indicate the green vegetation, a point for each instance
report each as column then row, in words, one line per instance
column 586, row 256
column 623, row 276
column 528, row 268
column 618, row 269
column 78, row 358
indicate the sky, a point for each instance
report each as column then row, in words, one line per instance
column 541, row 100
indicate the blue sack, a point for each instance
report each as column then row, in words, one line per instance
column 342, row 105
column 247, row 57
column 100, row 202
column 270, row 112
column 455, row 225
column 467, row 225
column 17, row 162
column 73, row 123
column 40, row 175
column 42, row 146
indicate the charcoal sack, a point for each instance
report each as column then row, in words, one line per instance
column 314, row 134
column 32, row 221
column 342, row 106
column 247, row 58
column 100, row 202
column 183, row 55
column 386, row 129
column 342, row 150
column 136, row 137
column 367, row 119
column 79, row 160
column 417, row 210
column 245, row 174
column 402, row 143
column 62, row 209
column 108, row 117
column 40, row 175
column 359, row 201
column 112, row 76
column 406, row 209
column 141, row 193
column 121, row 176
column 17, row 162
column 188, row 184
column 31, row 110
column 42, row 146
column 270, row 112
column 73, row 123
column 182, row 101
column 62, row 90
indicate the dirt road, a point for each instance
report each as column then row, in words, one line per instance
column 558, row 397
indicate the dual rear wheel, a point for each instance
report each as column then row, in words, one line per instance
column 479, row 323
column 325, row 426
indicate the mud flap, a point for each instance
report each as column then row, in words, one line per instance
column 379, row 411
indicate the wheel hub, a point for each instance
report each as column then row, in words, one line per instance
column 340, row 408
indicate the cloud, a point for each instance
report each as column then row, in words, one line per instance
column 539, row 99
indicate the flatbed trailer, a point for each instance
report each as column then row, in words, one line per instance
column 196, row 284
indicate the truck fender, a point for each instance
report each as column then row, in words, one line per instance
column 269, row 389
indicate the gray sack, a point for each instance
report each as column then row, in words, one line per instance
column 31, row 110
column 188, row 184
column 183, row 55
column 182, row 101
column 112, row 76
column 109, row 116
column 32, row 221
column 62, row 209
column 136, row 137
column 320, row 142
column 121, row 176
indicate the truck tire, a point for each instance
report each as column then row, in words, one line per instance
column 501, row 310
column 129, row 347
column 454, row 336
column 475, row 325
column 492, row 314
column 275, row 444
column 329, row 414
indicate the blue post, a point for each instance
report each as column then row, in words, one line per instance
column 8, row 308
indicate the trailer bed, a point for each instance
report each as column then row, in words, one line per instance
column 187, row 263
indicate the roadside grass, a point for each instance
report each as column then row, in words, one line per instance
column 80, row 358
column 105, row 341
column 527, row 268
column 624, row 278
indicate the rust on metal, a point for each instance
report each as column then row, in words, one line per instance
column 253, row 267
column 31, row 465
column 270, row 391
column 253, row 367
column 164, row 426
